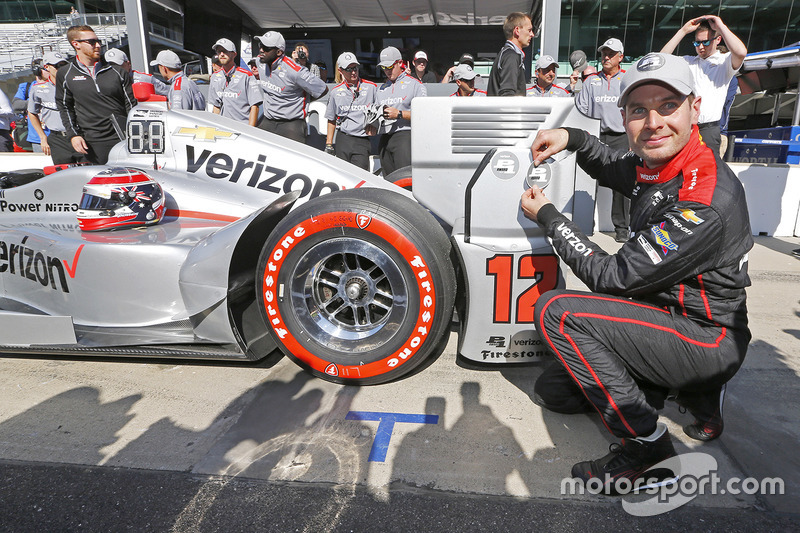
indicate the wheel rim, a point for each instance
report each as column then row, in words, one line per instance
column 348, row 295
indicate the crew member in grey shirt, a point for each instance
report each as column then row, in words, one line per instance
column 43, row 112
column 183, row 93
column 115, row 55
column 233, row 92
column 598, row 99
column 395, row 95
column 287, row 88
column 346, row 113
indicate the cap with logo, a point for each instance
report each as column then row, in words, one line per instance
column 463, row 72
column 115, row 55
column 346, row 59
column 389, row 56
column 168, row 58
column 545, row 61
column 665, row 69
column 53, row 58
column 225, row 44
column 467, row 59
column 420, row 55
column 273, row 39
column 613, row 44
column 578, row 60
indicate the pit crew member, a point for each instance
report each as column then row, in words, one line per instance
column 464, row 77
column 546, row 68
column 668, row 310
column 346, row 111
column 233, row 92
column 287, row 87
column 43, row 112
column 183, row 93
column 115, row 55
column 395, row 95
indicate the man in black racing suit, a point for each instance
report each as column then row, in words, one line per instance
column 667, row 311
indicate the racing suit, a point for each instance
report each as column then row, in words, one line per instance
column 668, row 310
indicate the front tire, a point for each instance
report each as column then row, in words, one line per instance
column 357, row 286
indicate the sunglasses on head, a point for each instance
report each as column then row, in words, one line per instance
column 704, row 43
column 91, row 42
column 352, row 69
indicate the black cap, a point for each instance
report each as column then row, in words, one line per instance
column 468, row 59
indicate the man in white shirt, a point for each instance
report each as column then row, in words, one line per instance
column 712, row 70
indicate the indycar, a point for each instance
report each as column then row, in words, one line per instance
column 266, row 244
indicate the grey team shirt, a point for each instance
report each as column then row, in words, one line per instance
column 42, row 102
column 234, row 97
column 184, row 94
column 598, row 99
column 347, row 106
column 286, row 87
column 399, row 95
column 553, row 91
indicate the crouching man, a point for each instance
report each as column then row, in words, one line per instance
column 667, row 312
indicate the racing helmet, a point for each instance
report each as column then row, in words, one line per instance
column 120, row 198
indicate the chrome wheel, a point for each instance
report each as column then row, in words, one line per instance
column 348, row 295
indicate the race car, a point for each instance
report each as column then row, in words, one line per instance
column 206, row 238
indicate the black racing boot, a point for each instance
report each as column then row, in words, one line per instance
column 629, row 460
column 707, row 410
column 556, row 391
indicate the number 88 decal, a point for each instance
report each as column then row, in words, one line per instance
column 543, row 269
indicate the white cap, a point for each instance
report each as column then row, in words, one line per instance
column 346, row 59
column 389, row 56
column 115, row 55
column 225, row 44
column 655, row 67
column 612, row 44
column 421, row 55
column 545, row 61
column 54, row 58
column 463, row 72
column 168, row 58
column 273, row 39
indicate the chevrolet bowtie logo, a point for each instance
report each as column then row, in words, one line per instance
column 205, row 133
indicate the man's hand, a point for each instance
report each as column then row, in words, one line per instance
column 573, row 79
column 329, row 149
column 45, row 146
column 532, row 201
column 548, row 143
column 79, row 145
column 692, row 25
column 391, row 113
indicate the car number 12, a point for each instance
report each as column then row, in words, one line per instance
column 543, row 269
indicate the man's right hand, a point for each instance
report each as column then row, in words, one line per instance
column 45, row 146
column 548, row 143
column 79, row 145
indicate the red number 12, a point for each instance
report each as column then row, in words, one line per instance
column 541, row 268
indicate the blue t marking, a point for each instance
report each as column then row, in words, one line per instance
column 380, row 446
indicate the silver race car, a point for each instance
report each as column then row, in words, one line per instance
column 229, row 243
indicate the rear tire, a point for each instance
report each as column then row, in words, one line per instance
column 401, row 177
column 357, row 286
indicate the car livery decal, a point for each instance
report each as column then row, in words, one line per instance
column 272, row 291
column 18, row 259
column 254, row 173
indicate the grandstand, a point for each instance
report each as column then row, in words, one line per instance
column 22, row 42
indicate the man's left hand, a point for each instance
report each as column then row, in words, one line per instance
column 532, row 201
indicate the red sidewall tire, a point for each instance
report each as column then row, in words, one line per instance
column 390, row 253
